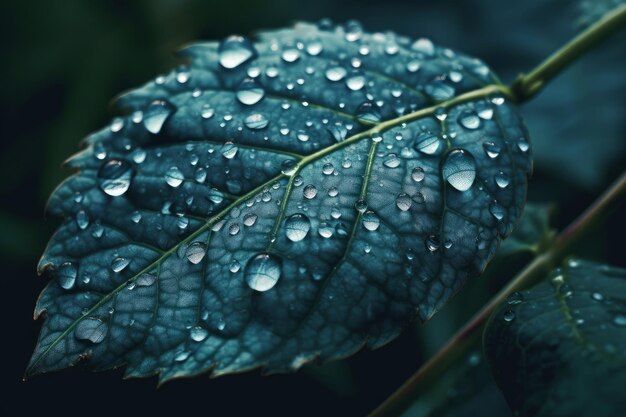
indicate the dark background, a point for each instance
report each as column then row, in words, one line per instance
column 62, row 62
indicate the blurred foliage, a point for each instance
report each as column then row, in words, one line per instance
column 65, row 60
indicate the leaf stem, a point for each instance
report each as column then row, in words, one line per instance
column 528, row 85
column 460, row 343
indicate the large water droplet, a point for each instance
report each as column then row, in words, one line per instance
column 263, row 271
column 370, row 221
column 336, row 73
column 250, row 92
column 459, row 169
column 66, row 275
column 428, row 143
column 469, row 120
column 234, row 51
column 502, row 179
column 115, row 176
column 196, row 252
column 355, row 82
column 404, row 201
column 289, row 167
column 309, row 191
column 174, row 177
column 156, row 114
column 496, row 210
column 290, row 55
column 145, row 280
column 508, row 316
column 432, row 243
column 256, row 121
column 368, row 112
column 91, row 329
column 229, row 150
column 325, row 230
column 417, row 174
column 297, row 226
column 491, row 149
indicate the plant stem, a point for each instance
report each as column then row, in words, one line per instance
column 460, row 343
column 527, row 85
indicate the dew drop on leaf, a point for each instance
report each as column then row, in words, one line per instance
column 115, row 176
column 250, row 92
column 297, row 226
column 263, row 271
column 469, row 120
column 196, row 252
column 234, row 51
column 66, row 275
column 119, row 264
column 371, row 221
column 459, row 169
column 174, row 177
column 198, row 334
column 156, row 114
column 428, row 143
column 256, row 121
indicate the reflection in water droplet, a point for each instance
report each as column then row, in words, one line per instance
column 174, row 177
column 325, row 230
column 508, row 316
column 196, row 252
column 234, row 51
column 156, row 114
column 66, row 275
column 91, row 329
column 263, row 271
column 371, row 221
column 328, row 168
column 491, row 149
column 360, row 205
column 432, row 243
column 249, row 219
column 198, row 334
column 297, row 226
column 496, row 210
column 459, row 169
column 469, row 120
column 403, row 201
column 250, row 92
column 115, row 176
column 417, row 174
column 119, row 264
column 392, row 161
column 289, row 167
column 256, row 121
column 502, row 179
column 428, row 144
column 309, row 191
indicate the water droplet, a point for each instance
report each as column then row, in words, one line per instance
column 368, row 112
column 235, row 266
column 119, row 264
column 469, row 120
column 371, row 221
column 91, row 329
column 496, row 210
column 82, row 219
column 196, row 252
column 117, row 124
column 338, row 131
column 325, row 230
column 249, row 219
column 309, row 191
column 392, row 161
column 336, row 73
column 333, row 192
column 424, row 45
column 66, row 275
column 619, row 320
column 263, row 271
column 207, row 111
column 491, row 149
column 502, row 179
column 328, row 168
column 256, row 121
column 115, row 177
column 198, row 334
column 297, row 226
column 182, row 356
column 289, row 167
column 174, row 177
column 432, row 243
column 428, row 143
column 459, row 169
column 597, row 296
column 417, row 174
column 250, row 92
column 508, row 316
column 439, row 90
column 404, row 201
column 290, row 55
column 156, row 114
column 135, row 217
column 523, row 144
column 314, row 48
column 229, row 150
column 360, row 205
column 515, row 298
column 233, row 229
column 234, row 51
column 355, row 82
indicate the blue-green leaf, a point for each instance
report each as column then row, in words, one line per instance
column 558, row 349
column 279, row 201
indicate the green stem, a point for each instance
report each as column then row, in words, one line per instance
column 527, row 85
column 461, row 342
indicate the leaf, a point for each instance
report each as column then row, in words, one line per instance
column 558, row 349
column 279, row 202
